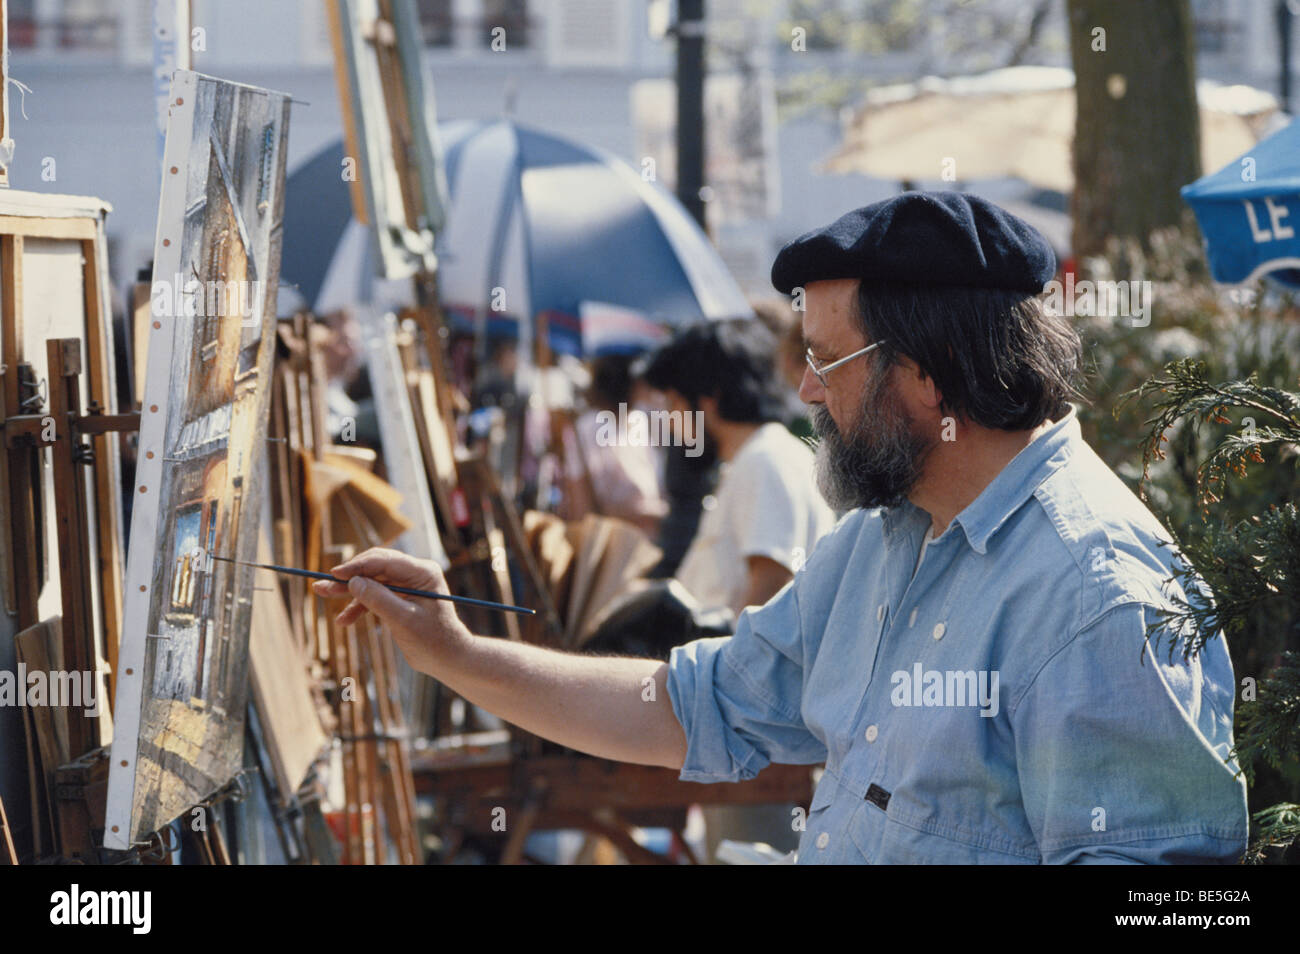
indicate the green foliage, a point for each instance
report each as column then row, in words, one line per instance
column 1216, row 458
column 1251, row 568
column 1185, row 391
column 1276, row 827
column 1268, row 731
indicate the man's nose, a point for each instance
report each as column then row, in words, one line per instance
column 811, row 390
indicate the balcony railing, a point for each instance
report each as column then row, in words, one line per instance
column 69, row 33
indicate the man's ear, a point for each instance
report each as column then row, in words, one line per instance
column 930, row 394
column 921, row 385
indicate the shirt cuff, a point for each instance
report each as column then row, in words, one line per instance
column 714, row 752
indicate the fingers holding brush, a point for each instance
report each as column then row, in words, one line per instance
column 423, row 628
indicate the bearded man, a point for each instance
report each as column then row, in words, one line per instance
column 965, row 650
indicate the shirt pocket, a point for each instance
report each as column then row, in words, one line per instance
column 888, row 841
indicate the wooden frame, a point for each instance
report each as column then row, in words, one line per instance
column 389, row 129
column 473, row 783
column 44, row 239
column 403, row 455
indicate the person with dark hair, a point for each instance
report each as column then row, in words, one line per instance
column 780, row 318
column 766, row 515
column 975, row 650
column 624, row 476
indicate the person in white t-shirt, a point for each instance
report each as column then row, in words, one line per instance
column 760, row 526
column 762, row 522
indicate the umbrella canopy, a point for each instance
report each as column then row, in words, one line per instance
column 317, row 212
column 1017, row 121
column 538, row 228
column 539, row 225
column 1249, row 212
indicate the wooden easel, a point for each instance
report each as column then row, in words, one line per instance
column 64, row 430
column 573, row 791
column 67, row 431
column 354, row 667
column 74, row 222
column 476, row 520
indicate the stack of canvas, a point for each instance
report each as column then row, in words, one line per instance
column 588, row 564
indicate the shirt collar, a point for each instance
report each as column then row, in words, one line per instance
column 1018, row 481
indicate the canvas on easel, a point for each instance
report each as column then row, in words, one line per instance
column 183, row 667
column 402, row 456
column 389, row 129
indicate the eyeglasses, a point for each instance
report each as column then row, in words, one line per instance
column 821, row 372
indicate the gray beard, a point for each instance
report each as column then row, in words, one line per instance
column 879, row 461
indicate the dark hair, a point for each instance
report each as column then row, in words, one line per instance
column 731, row 361
column 999, row 358
column 611, row 381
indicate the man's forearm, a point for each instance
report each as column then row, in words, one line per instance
column 616, row 708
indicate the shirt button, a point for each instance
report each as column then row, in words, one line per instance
column 872, row 732
column 880, row 612
column 823, row 840
column 939, row 629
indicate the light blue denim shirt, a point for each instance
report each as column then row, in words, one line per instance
column 995, row 708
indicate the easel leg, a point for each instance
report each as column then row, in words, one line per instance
column 519, row 832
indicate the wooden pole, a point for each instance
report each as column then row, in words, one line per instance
column 23, row 526
column 72, row 521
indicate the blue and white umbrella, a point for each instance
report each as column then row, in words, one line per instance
column 538, row 228
column 1249, row 212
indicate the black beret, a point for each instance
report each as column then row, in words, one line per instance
column 922, row 238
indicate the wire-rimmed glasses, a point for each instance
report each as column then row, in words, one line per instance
column 821, row 371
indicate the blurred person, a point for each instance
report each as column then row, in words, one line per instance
column 625, row 476
column 766, row 515
column 350, row 404
column 779, row 317
column 494, row 385
column 966, row 650
column 687, row 480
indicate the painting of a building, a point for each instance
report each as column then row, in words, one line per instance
column 192, row 637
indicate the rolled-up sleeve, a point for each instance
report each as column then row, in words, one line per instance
column 1122, row 758
column 738, row 697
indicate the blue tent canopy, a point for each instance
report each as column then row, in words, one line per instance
column 1249, row 212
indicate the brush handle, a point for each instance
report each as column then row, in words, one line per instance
column 427, row 594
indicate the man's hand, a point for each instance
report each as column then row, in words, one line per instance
column 612, row 707
column 424, row 629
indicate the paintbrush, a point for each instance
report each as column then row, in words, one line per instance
column 428, row 594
